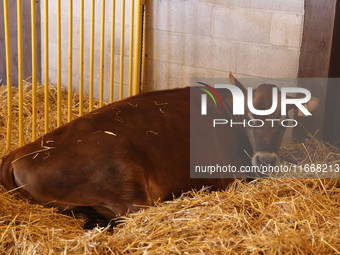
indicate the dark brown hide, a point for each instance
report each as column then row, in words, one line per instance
column 129, row 153
column 126, row 154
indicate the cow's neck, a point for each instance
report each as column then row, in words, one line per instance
column 240, row 129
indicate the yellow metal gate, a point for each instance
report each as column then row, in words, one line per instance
column 134, row 58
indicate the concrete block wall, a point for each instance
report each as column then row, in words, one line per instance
column 52, row 23
column 187, row 38
column 208, row 38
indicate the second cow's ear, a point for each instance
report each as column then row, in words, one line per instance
column 235, row 82
column 311, row 105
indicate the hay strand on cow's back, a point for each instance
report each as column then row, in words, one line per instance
column 264, row 216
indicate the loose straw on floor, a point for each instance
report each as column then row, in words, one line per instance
column 265, row 216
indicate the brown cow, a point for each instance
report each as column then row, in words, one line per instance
column 129, row 153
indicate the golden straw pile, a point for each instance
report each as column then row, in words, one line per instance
column 27, row 105
column 265, row 216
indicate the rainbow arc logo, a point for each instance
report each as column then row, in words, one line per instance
column 209, row 93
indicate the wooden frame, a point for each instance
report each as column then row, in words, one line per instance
column 316, row 51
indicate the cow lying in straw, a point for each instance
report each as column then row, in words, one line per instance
column 132, row 153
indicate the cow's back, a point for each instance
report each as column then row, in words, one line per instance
column 127, row 153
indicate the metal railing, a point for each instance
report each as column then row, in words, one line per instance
column 134, row 59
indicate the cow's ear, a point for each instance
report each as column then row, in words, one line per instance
column 311, row 105
column 235, row 82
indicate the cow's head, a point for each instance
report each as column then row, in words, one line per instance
column 266, row 140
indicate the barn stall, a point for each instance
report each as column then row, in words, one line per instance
column 181, row 40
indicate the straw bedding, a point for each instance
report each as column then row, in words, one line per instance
column 277, row 216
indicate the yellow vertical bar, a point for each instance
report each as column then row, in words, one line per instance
column 58, row 64
column 70, row 37
column 101, row 93
column 121, row 76
column 46, row 63
column 34, row 71
column 91, row 55
column 81, row 61
column 20, row 75
column 137, row 51
column 112, row 64
column 9, row 75
column 131, row 48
